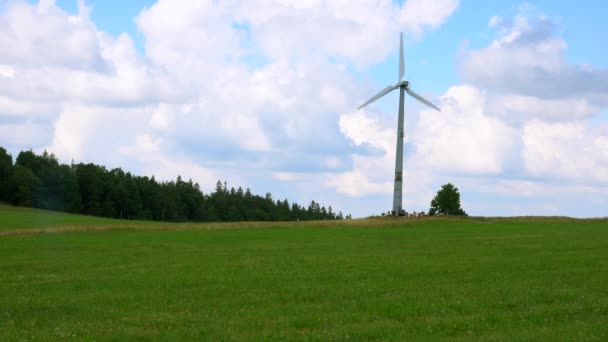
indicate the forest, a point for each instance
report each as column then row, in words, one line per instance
column 40, row 181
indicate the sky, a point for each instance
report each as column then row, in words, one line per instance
column 263, row 94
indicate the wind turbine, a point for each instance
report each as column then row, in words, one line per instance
column 404, row 87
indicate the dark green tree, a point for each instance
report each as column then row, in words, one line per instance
column 6, row 167
column 447, row 202
column 70, row 195
column 23, row 186
column 90, row 186
column 330, row 213
column 108, row 207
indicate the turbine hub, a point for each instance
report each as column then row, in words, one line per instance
column 404, row 84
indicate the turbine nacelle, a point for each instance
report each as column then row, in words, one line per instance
column 403, row 84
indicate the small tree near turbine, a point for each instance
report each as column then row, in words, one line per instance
column 447, row 202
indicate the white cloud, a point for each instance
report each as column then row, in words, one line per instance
column 162, row 117
column 23, row 135
column 333, row 163
column 88, row 133
column 287, row 176
column 527, row 62
column 566, row 150
column 190, row 38
column 57, row 57
column 519, row 108
column 369, row 173
column 44, row 35
column 533, row 188
column 361, row 127
column 297, row 31
column 418, row 14
column 7, row 71
column 357, row 184
column 148, row 151
column 10, row 107
column 530, row 85
column 462, row 137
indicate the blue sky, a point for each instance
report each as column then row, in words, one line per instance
column 263, row 94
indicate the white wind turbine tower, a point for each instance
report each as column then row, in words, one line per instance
column 404, row 87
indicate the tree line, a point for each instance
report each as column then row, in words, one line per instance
column 40, row 181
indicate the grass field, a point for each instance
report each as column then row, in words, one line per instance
column 68, row 277
column 15, row 218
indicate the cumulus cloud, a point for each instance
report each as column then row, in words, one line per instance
column 148, row 151
column 418, row 14
column 526, row 64
column 32, row 34
column 211, row 32
column 369, row 172
column 95, row 133
column 530, row 85
column 569, row 151
column 356, row 183
column 462, row 137
column 55, row 57
column 24, row 134
column 517, row 108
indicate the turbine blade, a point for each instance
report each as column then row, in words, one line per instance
column 401, row 63
column 379, row 95
column 421, row 99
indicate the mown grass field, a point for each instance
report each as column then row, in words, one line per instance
column 472, row 279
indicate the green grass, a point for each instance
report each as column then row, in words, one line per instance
column 16, row 218
column 459, row 279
